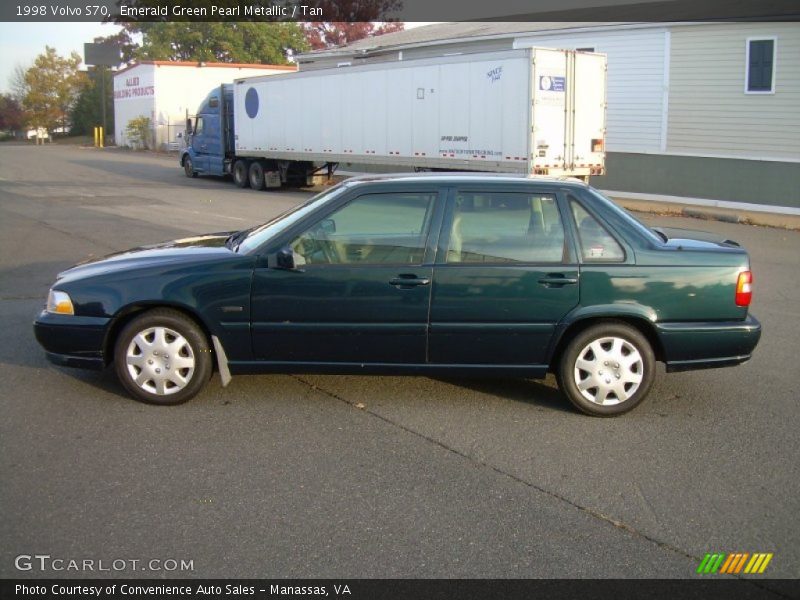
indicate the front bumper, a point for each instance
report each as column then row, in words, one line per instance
column 708, row 345
column 72, row 341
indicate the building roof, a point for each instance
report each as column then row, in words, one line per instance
column 450, row 32
column 180, row 63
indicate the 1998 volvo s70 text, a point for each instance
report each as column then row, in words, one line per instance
column 418, row 274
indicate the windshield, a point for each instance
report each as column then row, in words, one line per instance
column 253, row 238
column 643, row 229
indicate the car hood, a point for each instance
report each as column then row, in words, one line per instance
column 176, row 251
column 693, row 239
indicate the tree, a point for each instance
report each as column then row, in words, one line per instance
column 53, row 86
column 87, row 112
column 17, row 83
column 246, row 42
column 123, row 40
column 11, row 117
column 327, row 34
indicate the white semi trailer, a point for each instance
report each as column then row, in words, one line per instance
column 532, row 111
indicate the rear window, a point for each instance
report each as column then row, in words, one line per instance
column 629, row 219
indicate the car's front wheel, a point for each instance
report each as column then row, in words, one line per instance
column 162, row 357
column 607, row 369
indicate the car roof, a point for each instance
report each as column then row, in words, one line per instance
column 464, row 177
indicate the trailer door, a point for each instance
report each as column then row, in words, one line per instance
column 549, row 135
column 590, row 111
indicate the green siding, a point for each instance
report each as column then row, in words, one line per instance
column 755, row 181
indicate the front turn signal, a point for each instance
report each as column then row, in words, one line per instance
column 59, row 303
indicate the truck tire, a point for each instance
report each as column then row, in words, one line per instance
column 188, row 167
column 240, row 175
column 256, row 175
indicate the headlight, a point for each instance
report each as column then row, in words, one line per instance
column 59, row 303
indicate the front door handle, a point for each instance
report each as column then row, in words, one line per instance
column 408, row 281
column 557, row 280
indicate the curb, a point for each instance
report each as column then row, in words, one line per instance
column 768, row 216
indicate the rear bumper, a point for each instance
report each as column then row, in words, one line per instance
column 708, row 345
column 72, row 341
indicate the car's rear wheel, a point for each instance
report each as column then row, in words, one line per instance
column 162, row 357
column 188, row 167
column 256, row 175
column 607, row 369
column 240, row 175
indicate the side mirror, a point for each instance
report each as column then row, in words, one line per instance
column 189, row 127
column 284, row 259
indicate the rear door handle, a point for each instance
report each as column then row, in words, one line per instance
column 557, row 280
column 407, row 281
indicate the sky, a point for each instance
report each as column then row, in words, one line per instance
column 20, row 43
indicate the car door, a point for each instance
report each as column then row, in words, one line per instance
column 504, row 276
column 361, row 287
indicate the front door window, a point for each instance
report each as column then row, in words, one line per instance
column 374, row 229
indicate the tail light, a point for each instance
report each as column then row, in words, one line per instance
column 744, row 288
column 597, row 145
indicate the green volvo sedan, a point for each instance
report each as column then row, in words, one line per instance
column 427, row 274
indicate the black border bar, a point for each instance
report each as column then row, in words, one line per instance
column 391, row 589
column 398, row 10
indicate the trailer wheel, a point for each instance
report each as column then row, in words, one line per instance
column 240, row 176
column 256, row 175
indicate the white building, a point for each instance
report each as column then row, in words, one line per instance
column 165, row 92
column 704, row 110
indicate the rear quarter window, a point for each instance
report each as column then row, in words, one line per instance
column 597, row 244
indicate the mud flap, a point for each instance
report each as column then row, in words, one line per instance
column 222, row 361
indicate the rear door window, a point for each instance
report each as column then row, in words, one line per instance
column 505, row 227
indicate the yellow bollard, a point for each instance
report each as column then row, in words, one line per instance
column 102, row 135
column 95, row 137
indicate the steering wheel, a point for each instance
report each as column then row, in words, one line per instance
column 325, row 245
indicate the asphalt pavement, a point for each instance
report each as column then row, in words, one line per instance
column 326, row 476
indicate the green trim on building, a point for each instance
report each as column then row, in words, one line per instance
column 756, row 181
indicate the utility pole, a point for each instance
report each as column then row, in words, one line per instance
column 103, row 99
column 102, row 56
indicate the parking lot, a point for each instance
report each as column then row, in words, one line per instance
column 324, row 476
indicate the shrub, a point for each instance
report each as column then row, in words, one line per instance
column 138, row 132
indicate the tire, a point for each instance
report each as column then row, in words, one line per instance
column 240, row 175
column 256, row 175
column 145, row 346
column 616, row 357
column 188, row 167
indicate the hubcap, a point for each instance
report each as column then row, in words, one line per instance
column 608, row 371
column 160, row 361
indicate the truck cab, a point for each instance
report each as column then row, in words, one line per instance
column 208, row 137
